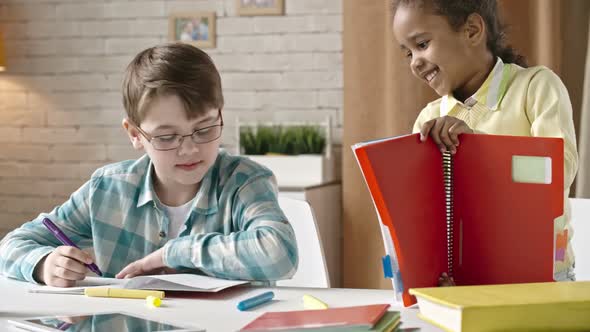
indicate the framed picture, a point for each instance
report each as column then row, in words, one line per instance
column 260, row 7
column 193, row 28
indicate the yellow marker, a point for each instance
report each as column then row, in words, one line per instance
column 123, row 293
column 310, row 302
column 153, row 302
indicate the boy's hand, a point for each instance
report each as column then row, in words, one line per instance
column 445, row 132
column 63, row 267
column 150, row 264
column 444, row 280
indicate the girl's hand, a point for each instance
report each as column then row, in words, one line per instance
column 150, row 264
column 445, row 280
column 63, row 267
column 445, row 132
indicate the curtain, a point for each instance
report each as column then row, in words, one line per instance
column 381, row 98
column 583, row 188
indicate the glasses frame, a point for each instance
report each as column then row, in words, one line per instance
column 150, row 138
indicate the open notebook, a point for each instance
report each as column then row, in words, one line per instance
column 164, row 282
column 485, row 215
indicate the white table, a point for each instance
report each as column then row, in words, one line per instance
column 214, row 312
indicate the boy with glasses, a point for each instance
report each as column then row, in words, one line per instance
column 184, row 205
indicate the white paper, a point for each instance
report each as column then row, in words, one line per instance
column 181, row 282
column 164, row 282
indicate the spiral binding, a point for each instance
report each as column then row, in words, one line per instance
column 447, row 161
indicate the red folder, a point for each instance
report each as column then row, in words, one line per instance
column 500, row 231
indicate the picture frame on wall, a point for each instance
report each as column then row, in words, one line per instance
column 196, row 28
column 260, row 7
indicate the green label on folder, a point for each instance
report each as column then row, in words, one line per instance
column 529, row 169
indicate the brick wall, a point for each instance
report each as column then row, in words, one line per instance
column 60, row 101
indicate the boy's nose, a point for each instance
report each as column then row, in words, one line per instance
column 188, row 146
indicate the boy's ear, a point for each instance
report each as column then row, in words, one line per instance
column 133, row 133
column 475, row 29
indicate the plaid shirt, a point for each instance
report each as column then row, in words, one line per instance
column 235, row 230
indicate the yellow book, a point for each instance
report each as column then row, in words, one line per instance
column 549, row 306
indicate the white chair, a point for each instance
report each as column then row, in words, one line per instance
column 580, row 221
column 312, row 271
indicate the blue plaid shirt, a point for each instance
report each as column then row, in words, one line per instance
column 235, row 230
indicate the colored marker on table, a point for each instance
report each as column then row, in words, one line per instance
column 312, row 303
column 66, row 241
column 122, row 293
column 255, row 301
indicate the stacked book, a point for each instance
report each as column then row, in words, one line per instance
column 358, row 318
column 547, row 306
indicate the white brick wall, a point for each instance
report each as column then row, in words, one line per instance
column 60, row 100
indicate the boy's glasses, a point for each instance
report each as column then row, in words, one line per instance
column 174, row 141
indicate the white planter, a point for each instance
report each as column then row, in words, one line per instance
column 299, row 171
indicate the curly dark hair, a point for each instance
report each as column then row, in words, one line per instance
column 457, row 12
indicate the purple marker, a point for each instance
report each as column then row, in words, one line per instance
column 66, row 241
column 63, row 326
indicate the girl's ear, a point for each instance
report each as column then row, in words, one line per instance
column 475, row 30
column 133, row 133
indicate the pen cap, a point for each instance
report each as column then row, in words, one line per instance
column 153, row 301
column 313, row 303
column 255, row 301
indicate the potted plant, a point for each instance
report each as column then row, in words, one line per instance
column 299, row 155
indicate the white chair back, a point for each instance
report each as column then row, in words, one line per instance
column 580, row 214
column 312, row 271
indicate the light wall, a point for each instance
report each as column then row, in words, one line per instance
column 60, row 100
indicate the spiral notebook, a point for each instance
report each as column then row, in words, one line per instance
column 484, row 215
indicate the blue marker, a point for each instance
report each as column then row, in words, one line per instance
column 255, row 301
